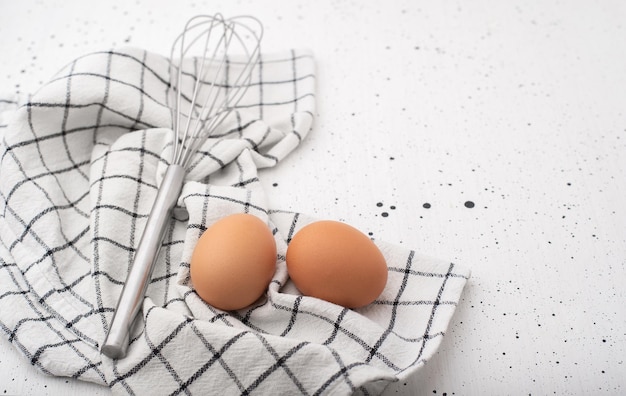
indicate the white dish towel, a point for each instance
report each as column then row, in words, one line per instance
column 80, row 164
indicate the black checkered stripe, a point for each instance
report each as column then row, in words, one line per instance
column 80, row 165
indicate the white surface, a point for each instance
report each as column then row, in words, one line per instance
column 518, row 107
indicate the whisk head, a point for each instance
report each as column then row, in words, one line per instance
column 224, row 52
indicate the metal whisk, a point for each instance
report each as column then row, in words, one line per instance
column 205, row 97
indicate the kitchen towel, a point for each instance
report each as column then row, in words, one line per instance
column 80, row 164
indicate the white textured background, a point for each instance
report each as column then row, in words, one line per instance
column 516, row 106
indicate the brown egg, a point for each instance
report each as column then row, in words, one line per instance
column 233, row 262
column 336, row 262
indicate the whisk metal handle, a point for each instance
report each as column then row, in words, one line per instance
column 134, row 290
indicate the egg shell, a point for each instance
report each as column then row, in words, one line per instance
column 336, row 262
column 233, row 262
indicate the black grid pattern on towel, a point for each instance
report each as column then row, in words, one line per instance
column 78, row 175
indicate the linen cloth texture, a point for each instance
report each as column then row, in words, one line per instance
column 81, row 162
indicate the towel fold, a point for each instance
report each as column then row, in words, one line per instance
column 80, row 165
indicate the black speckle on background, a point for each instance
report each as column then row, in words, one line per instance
column 469, row 204
column 385, row 213
column 275, row 184
column 426, row 205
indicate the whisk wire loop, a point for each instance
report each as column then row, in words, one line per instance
column 204, row 59
column 213, row 96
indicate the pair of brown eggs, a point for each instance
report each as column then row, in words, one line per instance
column 234, row 261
